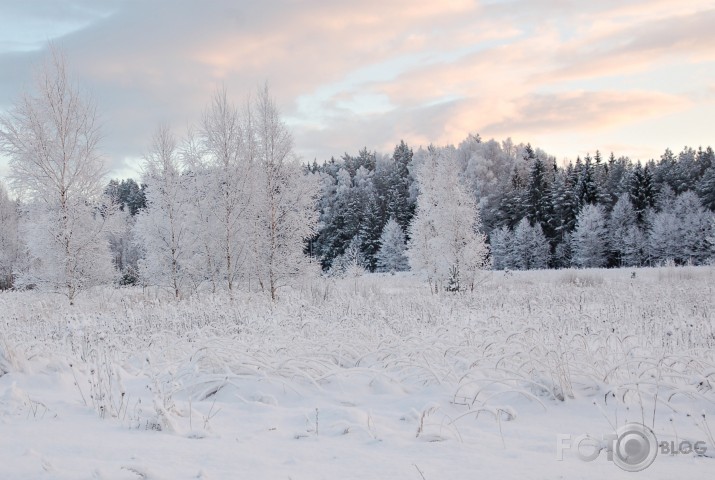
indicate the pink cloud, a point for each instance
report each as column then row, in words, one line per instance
column 439, row 70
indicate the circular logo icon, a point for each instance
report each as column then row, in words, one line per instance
column 635, row 447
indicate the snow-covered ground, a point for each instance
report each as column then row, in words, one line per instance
column 371, row 377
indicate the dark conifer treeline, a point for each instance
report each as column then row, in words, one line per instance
column 532, row 208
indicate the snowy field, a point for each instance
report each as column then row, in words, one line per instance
column 371, row 377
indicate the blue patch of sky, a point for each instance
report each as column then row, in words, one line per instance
column 28, row 31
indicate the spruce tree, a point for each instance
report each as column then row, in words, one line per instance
column 370, row 231
column 706, row 188
column 537, row 205
column 564, row 205
column 399, row 204
column 587, row 187
column 511, row 207
column 641, row 191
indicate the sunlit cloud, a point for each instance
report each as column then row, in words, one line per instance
column 566, row 112
column 573, row 75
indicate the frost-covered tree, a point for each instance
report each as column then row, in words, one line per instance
column 129, row 198
column 641, row 191
column 537, row 202
column 562, row 252
column 10, row 243
column 616, row 181
column 589, row 239
column 391, row 256
column 227, row 153
column 564, row 209
column 398, row 201
column 706, row 188
column 529, row 248
column 711, row 239
column 622, row 219
column 125, row 252
column 662, row 237
column 511, row 206
column 350, row 263
column 500, row 245
column 283, row 202
column 371, row 228
column 127, row 194
column 50, row 136
column 695, row 224
column 586, row 189
column 163, row 230
column 199, row 180
column 634, row 247
column 679, row 232
column 445, row 239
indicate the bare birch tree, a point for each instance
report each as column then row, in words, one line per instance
column 51, row 137
column 230, row 185
column 165, row 228
column 284, row 200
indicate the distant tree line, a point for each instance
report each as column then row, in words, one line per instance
column 229, row 206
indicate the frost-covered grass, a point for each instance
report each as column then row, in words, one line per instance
column 361, row 377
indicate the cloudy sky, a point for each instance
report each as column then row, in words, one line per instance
column 569, row 76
